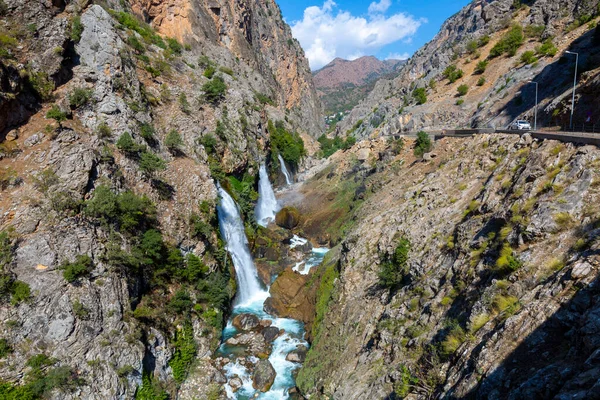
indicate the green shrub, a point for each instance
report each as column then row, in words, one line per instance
column 181, row 303
column 484, row 40
column 454, row 338
column 226, row 70
column 150, row 164
column 184, row 105
column 185, row 352
column 41, row 84
column 420, row 95
column 289, row 145
column 392, row 270
column 209, row 142
column 150, row 390
column 210, row 71
column 510, row 42
column 80, row 97
column 528, row 57
column 136, row 44
column 103, row 131
column 534, row 31
column 82, row 266
column 462, row 90
column 173, row 141
column 147, row 132
column 3, row 8
column 472, row 46
column 5, row 348
column 460, row 102
column 143, row 29
column 214, row 90
column 174, row 46
column 126, row 144
column 264, row 99
column 481, row 66
column 204, row 62
column 330, row 146
column 55, row 114
column 20, row 292
column 481, row 81
column 506, row 262
column 80, row 310
column 404, row 385
column 452, row 73
column 76, row 29
column 422, row 144
column 547, row 49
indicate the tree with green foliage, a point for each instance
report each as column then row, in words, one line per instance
column 452, row 73
column 289, row 145
column 394, row 268
column 56, row 114
column 420, row 95
column 528, row 57
column 150, row 164
column 76, row 29
column 509, row 43
column 209, row 142
column 127, row 145
column 173, row 141
column 330, row 146
column 481, row 81
column 175, row 46
column 547, row 49
column 80, row 97
column 462, row 90
column 422, row 144
column 147, row 132
column 82, row 266
column 481, row 67
column 185, row 352
column 214, row 90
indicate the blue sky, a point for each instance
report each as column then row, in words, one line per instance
column 351, row 28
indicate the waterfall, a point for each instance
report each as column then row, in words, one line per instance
column 267, row 205
column 288, row 178
column 234, row 235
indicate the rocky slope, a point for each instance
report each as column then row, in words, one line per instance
column 473, row 275
column 495, row 77
column 116, row 120
column 342, row 84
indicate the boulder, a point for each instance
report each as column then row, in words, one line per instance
column 246, row 322
column 363, row 154
column 235, row 383
column 12, row 135
column 298, row 355
column 264, row 376
column 270, row 333
column 288, row 217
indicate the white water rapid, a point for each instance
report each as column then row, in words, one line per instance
column 267, row 205
column 288, row 178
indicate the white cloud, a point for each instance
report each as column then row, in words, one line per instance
column 397, row 56
column 326, row 33
column 380, row 7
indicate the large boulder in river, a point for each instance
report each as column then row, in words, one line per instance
column 264, row 376
column 298, row 355
column 293, row 296
column 246, row 322
column 288, row 217
column 271, row 333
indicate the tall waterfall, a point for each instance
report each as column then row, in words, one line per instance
column 232, row 231
column 288, row 177
column 267, row 205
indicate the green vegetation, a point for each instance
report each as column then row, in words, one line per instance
column 103, row 130
column 76, row 29
column 40, row 82
column 534, row 31
column 330, row 146
column 481, row 81
column 289, row 145
column 460, row 102
column 150, row 164
column 175, row 47
column 355, row 127
column 173, row 141
column 528, row 57
column 184, row 105
column 185, row 352
column 580, row 21
column 136, row 45
column 478, row 322
column 394, row 268
column 3, row 8
column 226, row 70
column 55, row 114
column 126, row 144
column 420, row 95
column 143, row 29
column 214, row 90
column 147, row 132
column 547, row 49
column 454, row 338
column 404, row 385
column 210, row 71
column 264, row 99
column 462, row 90
column 452, row 73
column 510, row 43
column 422, row 144
column 82, row 266
column 209, row 142
column 507, row 262
column 80, row 97
column 481, row 66
column 5, row 348
column 80, row 310
column 150, row 389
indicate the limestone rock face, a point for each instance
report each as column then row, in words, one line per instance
column 264, row 376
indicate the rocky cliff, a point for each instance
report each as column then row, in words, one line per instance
column 475, row 72
column 472, row 275
column 116, row 120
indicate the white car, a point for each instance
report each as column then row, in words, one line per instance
column 520, row 125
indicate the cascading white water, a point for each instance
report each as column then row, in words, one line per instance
column 232, row 230
column 288, row 177
column 267, row 205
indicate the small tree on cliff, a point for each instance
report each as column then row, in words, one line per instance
column 423, row 144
